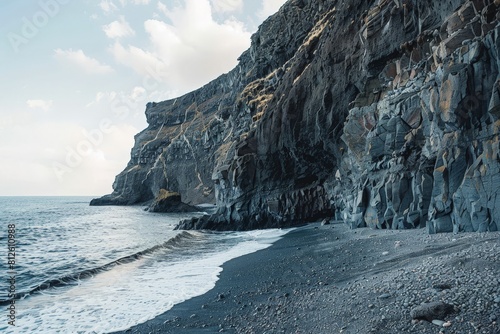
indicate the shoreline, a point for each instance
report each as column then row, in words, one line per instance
column 330, row 279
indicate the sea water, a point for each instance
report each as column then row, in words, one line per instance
column 83, row 269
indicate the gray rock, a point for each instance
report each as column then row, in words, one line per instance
column 167, row 201
column 439, row 323
column 442, row 286
column 432, row 311
column 325, row 222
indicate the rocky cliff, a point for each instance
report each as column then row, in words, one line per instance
column 383, row 113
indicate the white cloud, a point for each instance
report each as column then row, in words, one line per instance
column 189, row 51
column 45, row 105
column 138, row 94
column 79, row 58
column 163, row 8
column 41, row 167
column 227, row 5
column 270, row 7
column 108, row 96
column 162, row 95
column 117, row 29
column 141, row 61
column 107, row 6
column 102, row 97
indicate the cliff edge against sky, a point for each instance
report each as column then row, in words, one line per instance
column 380, row 113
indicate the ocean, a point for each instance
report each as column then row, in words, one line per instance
column 83, row 269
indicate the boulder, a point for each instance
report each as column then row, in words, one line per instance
column 168, row 201
column 432, row 311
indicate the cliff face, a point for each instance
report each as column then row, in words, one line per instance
column 422, row 138
column 188, row 136
column 383, row 113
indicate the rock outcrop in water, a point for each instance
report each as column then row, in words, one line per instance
column 383, row 113
column 167, row 201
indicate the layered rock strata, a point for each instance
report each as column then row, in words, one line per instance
column 382, row 113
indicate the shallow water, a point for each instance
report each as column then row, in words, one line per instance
column 82, row 269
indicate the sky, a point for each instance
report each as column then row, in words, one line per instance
column 76, row 76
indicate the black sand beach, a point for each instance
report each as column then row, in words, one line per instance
column 330, row 279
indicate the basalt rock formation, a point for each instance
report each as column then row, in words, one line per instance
column 167, row 201
column 382, row 113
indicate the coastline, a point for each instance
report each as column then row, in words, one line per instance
column 330, row 279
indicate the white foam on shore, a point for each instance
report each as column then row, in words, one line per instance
column 135, row 292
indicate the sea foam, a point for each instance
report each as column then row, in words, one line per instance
column 134, row 292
